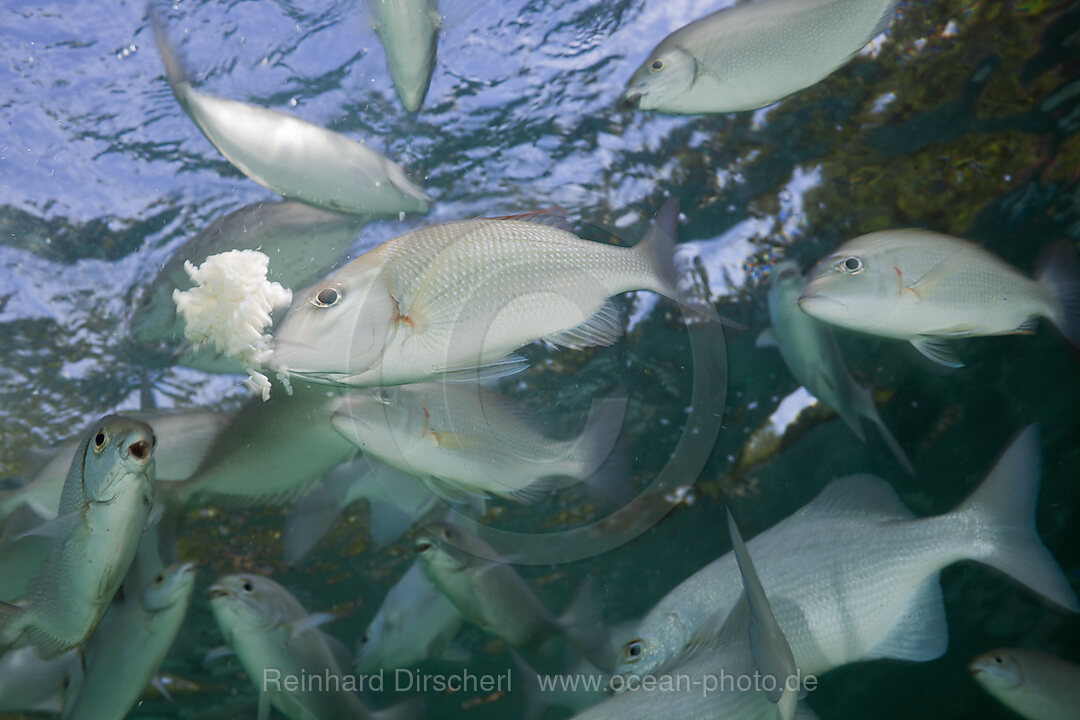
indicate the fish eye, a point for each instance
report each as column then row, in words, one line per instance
column 100, row 441
column 447, row 534
column 248, row 587
column 383, row 396
column 364, row 639
column 327, row 297
column 998, row 660
column 634, row 650
column 851, row 265
column 657, row 65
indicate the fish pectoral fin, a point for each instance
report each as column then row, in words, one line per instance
column 454, row 493
column 158, row 685
column 921, row 632
column 264, row 706
column 60, row 527
column 602, row 328
column 216, row 654
column 936, row 350
column 1028, row 327
column 503, row 367
column 767, row 339
column 309, row 622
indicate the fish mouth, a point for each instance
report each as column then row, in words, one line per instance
column 632, row 100
column 811, row 298
column 423, row 545
column 141, row 450
column 216, row 592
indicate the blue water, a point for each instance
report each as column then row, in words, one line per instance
column 962, row 118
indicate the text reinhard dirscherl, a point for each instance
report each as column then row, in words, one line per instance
column 413, row 680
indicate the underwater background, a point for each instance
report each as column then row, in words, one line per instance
column 962, row 118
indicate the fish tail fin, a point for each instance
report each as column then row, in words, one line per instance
column 314, row 515
column 658, row 250
column 596, row 452
column 1003, row 508
column 174, row 68
column 583, row 626
column 872, row 415
column 1059, row 277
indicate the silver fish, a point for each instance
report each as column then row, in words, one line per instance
column 269, row 454
column 414, row 623
column 409, row 30
column 128, row 647
column 879, row 565
column 275, row 638
column 465, row 441
column 28, row 683
column 754, row 53
column 492, row 596
column 459, row 297
column 183, row 438
column 810, row 352
column 302, row 242
column 296, row 158
column 1032, row 684
column 743, row 643
column 925, row 288
column 103, row 511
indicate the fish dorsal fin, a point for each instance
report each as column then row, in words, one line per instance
column 555, row 217
column 857, row 496
column 770, row 649
column 936, row 350
column 602, row 328
column 308, row 623
column 921, row 632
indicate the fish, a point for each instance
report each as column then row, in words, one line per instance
column 395, row 502
column 1032, row 684
column 103, row 511
column 465, row 441
column 274, row 639
column 295, row 158
column 854, row 576
column 183, row 438
column 302, row 242
column 135, row 635
column 752, row 54
column 270, row 453
column 458, row 298
column 813, row 357
column 28, row 683
column 744, row 641
column 409, row 30
column 414, row 623
column 491, row 595
column 927, row 288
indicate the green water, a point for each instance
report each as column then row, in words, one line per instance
column 963, row 119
